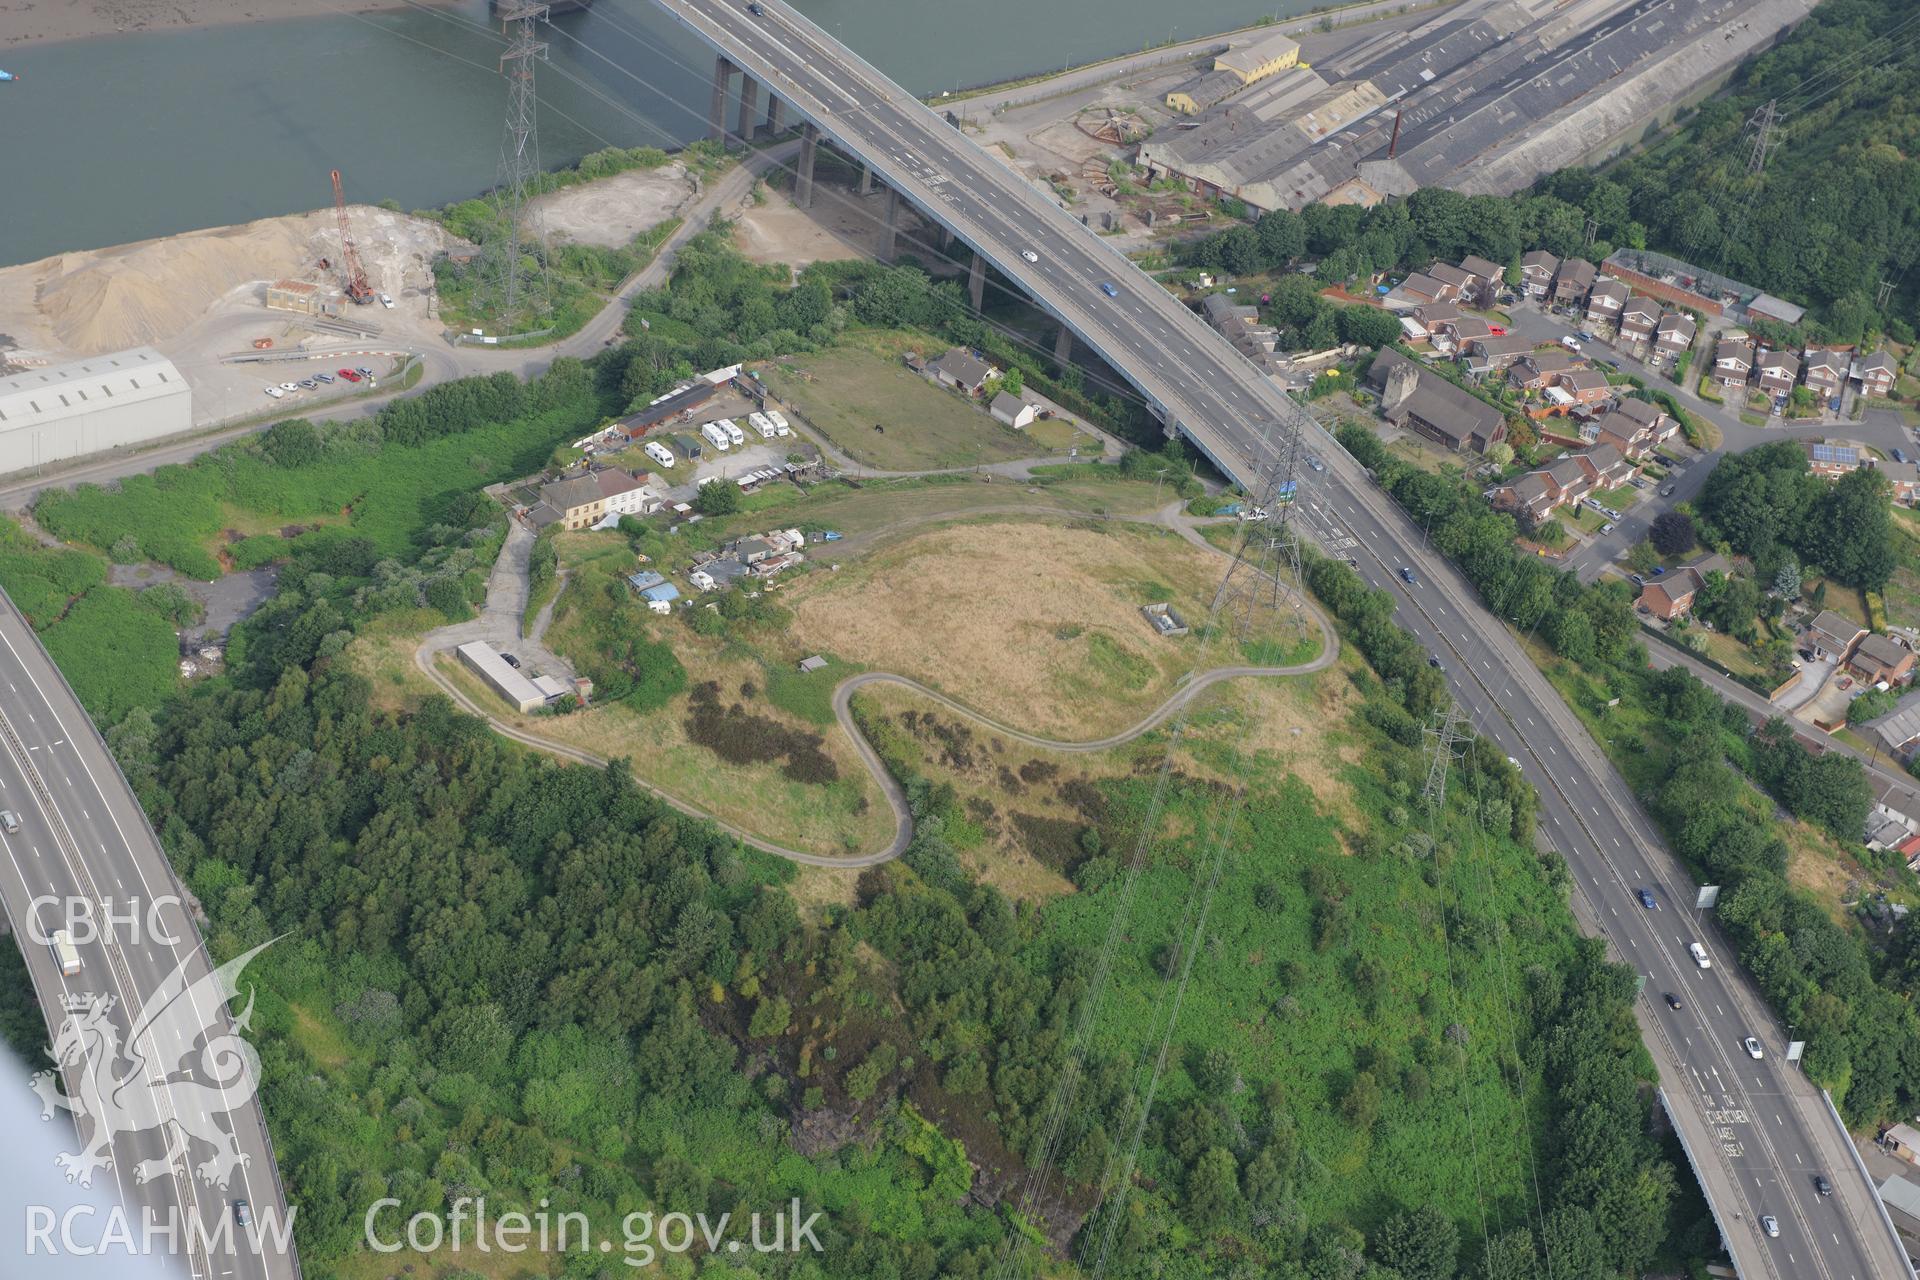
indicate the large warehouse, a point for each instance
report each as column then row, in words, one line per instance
column 90, row 406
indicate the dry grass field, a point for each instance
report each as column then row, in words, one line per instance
column 1036, row 624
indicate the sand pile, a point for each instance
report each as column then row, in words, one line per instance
column 132, row 295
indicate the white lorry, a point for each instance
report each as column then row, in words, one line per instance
column 65, row 953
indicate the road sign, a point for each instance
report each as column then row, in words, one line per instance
column 1709, row 894
column 1794, row 1049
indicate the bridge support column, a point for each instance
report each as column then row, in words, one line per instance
column 866, row 179
column 803, row 171
column 977, row 281
column 891, row 239
column 1063, row 346
column 749, row 105
column 717, row 114
column 776, row 115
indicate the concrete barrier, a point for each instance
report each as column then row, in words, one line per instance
column 1873, row 1189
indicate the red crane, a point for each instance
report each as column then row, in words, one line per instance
column 356, row 276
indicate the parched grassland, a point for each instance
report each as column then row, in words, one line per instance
column 1033, row 623
column 845, row 392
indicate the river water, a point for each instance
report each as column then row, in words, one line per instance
column 121, row 138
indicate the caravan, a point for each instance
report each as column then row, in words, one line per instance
column 659, row 453
column 716, row 433
column 734, row 433
column 761, row 423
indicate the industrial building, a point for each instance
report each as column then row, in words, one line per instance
column 90, row 406
column 521, row 693
column 1233, row 71
column 302, row 297
column 1483, row 98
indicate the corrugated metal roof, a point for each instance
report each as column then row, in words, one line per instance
column 40, row 396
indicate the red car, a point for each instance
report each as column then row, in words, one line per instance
column 1496, row 331
column 349, row 375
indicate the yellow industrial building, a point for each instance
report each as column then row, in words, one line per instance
column 1233, row 70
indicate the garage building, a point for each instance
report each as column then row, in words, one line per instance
column 90, row 406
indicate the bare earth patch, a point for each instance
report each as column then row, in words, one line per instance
column 611, row 211
column 1037, row 625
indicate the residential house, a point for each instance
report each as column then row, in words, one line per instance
column 1825, row 371
column 1572, row 282
column 1655, row 425
column 1423, row 401
column 1733, row 362
column 1778, row 371
column 1425, row 321
column 1831, row 459
column 1674, row 334
column 1456, row 282
column 1464, row 329
column 571, row 504
column 1535, row 372
column 1239, row 324
column 1489, row 355
column 626, row 494
column 1903, row 478
column 962, row 370
column 1606, row 300
column 1013, row 411
column 1875, row 374
column 1833, row 636
column 1879, row 658
column 1417, row 290
column 1488, row 277
column 1537, row 271
column 1535, row 495
column 1584, row 386
column 1639, row 317
column 1671, row 595
column 1610, row 465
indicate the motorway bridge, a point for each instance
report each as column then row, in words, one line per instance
column 1757, row 1132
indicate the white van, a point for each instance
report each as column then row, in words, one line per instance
column 64, row 952
column 1699, row 954
column 734, row 432
column 659, row 453
column 1571, row 343
column 716, row 433
column 761, row 423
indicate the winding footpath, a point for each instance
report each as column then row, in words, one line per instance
column 441, row 640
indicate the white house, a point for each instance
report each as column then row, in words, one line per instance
column 1013, row 411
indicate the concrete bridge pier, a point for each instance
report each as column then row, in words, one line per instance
column 866, row 179
column 977, row 281
column 891, row 239
column 749, row 105
column 803, row 171
column 776, row 115
column 717, row 114
column 1063, row 346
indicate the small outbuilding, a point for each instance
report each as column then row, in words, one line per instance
column 810, row 665
column 1013, row 411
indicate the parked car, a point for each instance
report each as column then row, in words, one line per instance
column 386, row 302
column 1659, row 570
column 308, row 384
column 289, row 386
column 1607, row 527
column 510, row 660
column 1106, row 287
column 350, row 375
column 1673, row 1001
column 363, row 371
column 1898, row 456
column 1666, row 491
column 1498, row 331
column 1753, row 1049
column 1636, row 580
column 323, row 377
column 275, row 392
column 1570, row 342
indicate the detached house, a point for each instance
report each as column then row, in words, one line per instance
column 1831, row 459
column 962, row 370
column 1464, row 329
column 1585, row 386
column 1487, row 277
column 1572, row 281
column 1417, row 290
column 1639, row 318
column 1831, row 635
column 1636, row 428
column 1456, row 283
column 1875, row 374
column 1425, row 402
column 1606, row 300
column 1563, row 482
column 1826, row 372
column 1879, row 658
column 1671, row 596
column 1537, row 271
column 1490, row 355
column 1778, row 371
column 1537, row 371
column 1733, row 363
column 1675, row 333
